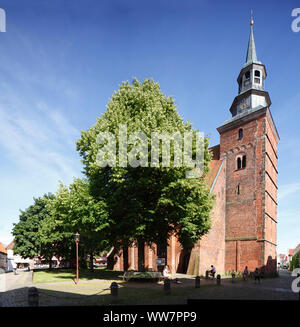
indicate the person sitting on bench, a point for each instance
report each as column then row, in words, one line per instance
column 167, row 274
column 212, row 271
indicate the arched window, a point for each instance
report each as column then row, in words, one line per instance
column 241, row 162
column 240, row 133
column 257, row 76
column 247, row 78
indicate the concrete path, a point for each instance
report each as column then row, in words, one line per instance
column 22, row 279
column 16, row 289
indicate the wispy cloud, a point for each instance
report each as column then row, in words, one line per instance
column 40, row 146
column 37, row 137
column 37, row 152
column 288, row 189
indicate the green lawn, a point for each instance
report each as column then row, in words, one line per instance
column 62, row 275
column 98, row 293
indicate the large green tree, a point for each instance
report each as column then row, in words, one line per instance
column 295, row 262
column 26, row 237
column 56, row 239
column 146, row 204
column 75, row 210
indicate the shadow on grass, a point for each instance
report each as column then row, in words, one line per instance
column 52, row 276
column 126, row 296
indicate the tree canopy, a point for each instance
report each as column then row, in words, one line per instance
column 147, row 204
column 26, row 237
column 121, row 204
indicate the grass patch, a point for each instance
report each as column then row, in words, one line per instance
column 63, row 275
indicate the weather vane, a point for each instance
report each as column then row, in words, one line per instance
column 251, row 21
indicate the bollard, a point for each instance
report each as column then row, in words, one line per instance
column 233, row 277
column 206, row 274
column 2, row 281
column 167, row 286
column 218, row 280
column 197, row 282
column 33, row 297
column 114, row 289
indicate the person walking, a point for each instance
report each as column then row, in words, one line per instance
column 256, row 276
column 245, row 273
column 14, row 265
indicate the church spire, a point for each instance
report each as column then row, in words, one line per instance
column 251, row 52
column 251, row 93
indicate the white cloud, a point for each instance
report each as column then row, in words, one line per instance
column 288, row 190
column 46, row 145
column 37, row 152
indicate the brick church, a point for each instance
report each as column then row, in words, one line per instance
column 243, row 176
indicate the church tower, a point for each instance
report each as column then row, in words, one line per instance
column 248, row 142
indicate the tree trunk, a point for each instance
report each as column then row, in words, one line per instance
column 141, row 256
column 92, row 261
column 125, row 258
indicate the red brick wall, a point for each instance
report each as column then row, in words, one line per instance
column 250, row 234
column 270, row 251
column 212, row 245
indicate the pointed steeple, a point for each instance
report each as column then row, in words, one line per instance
column 251, row 52
column 251, row 80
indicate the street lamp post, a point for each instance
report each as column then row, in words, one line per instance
column 77, row 236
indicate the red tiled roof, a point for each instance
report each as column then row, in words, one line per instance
column 214, row 165
column 10, row 246
column 215, row 151
column 213, row 171
column 2, row 248
column 291, row 251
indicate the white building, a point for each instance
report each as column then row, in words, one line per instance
column 17, row 259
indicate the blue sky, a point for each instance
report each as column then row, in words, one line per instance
column 60, row 62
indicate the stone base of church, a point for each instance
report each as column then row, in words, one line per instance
column 250, row 253
column 191, row 262
column 234, row 256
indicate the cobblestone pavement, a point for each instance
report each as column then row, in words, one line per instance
column 96, row 292
column 268, row 289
